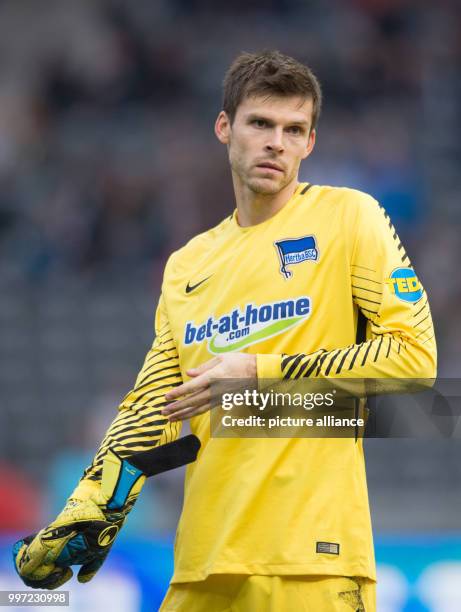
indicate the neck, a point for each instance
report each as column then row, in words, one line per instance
column 254, row 208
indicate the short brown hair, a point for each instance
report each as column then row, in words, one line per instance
column 269, row 73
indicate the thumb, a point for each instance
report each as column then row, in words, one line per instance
column 203, row 367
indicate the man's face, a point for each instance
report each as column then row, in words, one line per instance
column 267, row 141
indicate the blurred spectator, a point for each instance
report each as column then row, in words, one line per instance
column 108, row 162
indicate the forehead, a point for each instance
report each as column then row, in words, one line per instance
column 277, row 108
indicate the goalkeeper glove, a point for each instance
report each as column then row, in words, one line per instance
column 83, row 533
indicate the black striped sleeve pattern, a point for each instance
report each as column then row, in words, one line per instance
column 422, row 321
column 383, row 351
column 139, row 424
column 367, row 290
column 358, row 357
column 340, row 362
column 403, row 256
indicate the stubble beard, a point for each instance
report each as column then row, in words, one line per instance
column 258, row 185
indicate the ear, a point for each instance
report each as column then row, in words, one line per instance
column 222, row 128
column 310, row 144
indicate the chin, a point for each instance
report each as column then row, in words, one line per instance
column 265, row 186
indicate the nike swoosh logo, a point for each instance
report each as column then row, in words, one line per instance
column 190, row 288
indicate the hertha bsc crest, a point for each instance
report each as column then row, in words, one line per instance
column 296, row 250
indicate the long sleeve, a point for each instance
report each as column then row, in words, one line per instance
column 385, row 290
column 139, row 424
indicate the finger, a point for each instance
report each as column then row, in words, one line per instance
column 57, row 578
column 53, row 581
column 188, row 413
column 60, row 580
column 204, row 367
column 192, row 401
column 88, row 570
column 189, row 387
column 30, row 556
column 44, row 549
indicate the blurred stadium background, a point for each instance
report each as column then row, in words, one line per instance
column 108, row 162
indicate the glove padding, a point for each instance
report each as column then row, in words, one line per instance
column 83, row 533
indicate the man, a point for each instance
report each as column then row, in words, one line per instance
column 267, row 524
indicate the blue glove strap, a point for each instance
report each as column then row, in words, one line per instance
column 126, row 481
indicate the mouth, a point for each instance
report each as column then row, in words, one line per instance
column 270, row 167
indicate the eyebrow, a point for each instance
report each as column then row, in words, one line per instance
column 253, row 116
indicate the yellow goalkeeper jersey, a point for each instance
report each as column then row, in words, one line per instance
column 289, row 290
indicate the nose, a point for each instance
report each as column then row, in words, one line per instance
column 275, row 141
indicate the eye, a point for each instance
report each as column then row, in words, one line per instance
column 259, row 123
column 295, row 130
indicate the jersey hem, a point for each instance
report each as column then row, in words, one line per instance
column 316, row 569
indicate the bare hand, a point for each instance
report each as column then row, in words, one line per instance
column 195, row 394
